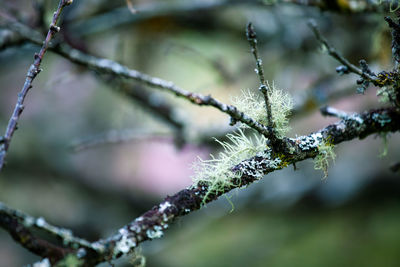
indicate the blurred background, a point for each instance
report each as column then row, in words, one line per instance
column 91, row 155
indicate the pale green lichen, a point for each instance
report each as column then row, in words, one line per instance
column 326, row 153
column 386, row 94
column 254, row 106
column 385, row 145
column 217, row 171
column 70, row 260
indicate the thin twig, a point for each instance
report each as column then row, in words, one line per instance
column 333, row 112
column 264, row 87
column 332, row 52
column 30, row 76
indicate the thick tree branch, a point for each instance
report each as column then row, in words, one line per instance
column 10, row 221
column 153, row 223
column 29, row 222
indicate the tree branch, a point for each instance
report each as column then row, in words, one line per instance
column 109, row 66
column 10, row 221
column 30, row 76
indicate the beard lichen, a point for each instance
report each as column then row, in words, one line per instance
column 325, row 154
column 217, row 173
column 254, row 106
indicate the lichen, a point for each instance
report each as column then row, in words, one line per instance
column 156, row 232
column 254, row 106
column 325, row 154
column 125, row 244
column 217, row 172
column 384, row 137
column 308, row 143
column 70, row 260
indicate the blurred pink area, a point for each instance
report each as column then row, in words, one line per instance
column 158, row 167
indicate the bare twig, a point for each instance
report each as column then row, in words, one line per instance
column 31, row 75
column 332, row 52
column 264, row 87
column 330, row 111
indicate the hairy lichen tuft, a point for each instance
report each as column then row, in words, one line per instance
column 254, row 106
column 325, row 154
column 217, row 172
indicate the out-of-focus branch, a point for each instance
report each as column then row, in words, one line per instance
column 148, row 100
column 9, row 38
column 31, row 75
column 332, row 52
column 18, row 226
column 333, row 112
column 122, row 15
column 115, row 137
column 30, row 222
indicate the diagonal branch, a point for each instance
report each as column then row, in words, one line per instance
column 30, row 76
column 153, row 223
column 29, row 222
column 22, row 235
column 332, row 52
column 118, row 70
